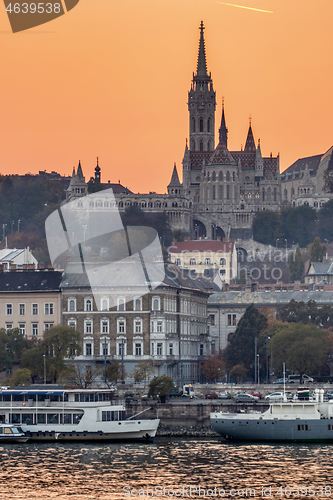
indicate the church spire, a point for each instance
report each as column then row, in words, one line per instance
column 202, row 64
column 250, row 144
column 223, row 131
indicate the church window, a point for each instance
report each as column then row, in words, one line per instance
column 208, row 176
column 209, row 125
column 192, row 145
column 233, row 177
column 228, row 192
column 285, row 194
column 201, row 124
column 214, row 192
column 192, row 262
column 214, row 176
column 274, row 194
column 193, row 125
column 263, row 194
column 227, row 177
column 209, row 146
column 269, row 194
column 220, row 192
column 222, row 262
column 221, row 176
column 201, row 146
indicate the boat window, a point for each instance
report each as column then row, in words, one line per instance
column 15, row 430
column 91, row 396
column 7, row 430
column 1, row 430
column 6, row 397
column 54, row 397
column 65, row 397
column 27, row 418
column 66, row 418
column 52, row 418
column 41, row 397
column 77, row 417
column 41, row 418
column 18, row 397
column 329, row 427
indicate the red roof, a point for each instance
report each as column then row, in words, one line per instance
column 202, row 246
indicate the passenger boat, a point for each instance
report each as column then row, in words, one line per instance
column 287, row 421
column 61, row 414
column 12, row 434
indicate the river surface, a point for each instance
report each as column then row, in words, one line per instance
column 167, row 468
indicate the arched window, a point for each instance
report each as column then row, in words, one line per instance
column 209, row 146
column 220, row 192
column 209, row 125
column 227, row 177
column 207, row 261
column 214, row 193
column 121, row 304
column 274, row 194
column 201, row 146
column 177, row 262
column 192, row 145
column 228, row 192
column 156, row 304
column 88, row 305
column 201, row 125
column 192, row 262
column 214, row 176
column 221, row 176
column 193, row 124
column 72, row 305
column 263, row 194
column 233, row 177
column 222, row 262
column 138, row 305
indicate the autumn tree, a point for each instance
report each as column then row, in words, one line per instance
column 213, row 368
column 239, row 373
column 114, row 372
column 318, row 251
column 144, row 370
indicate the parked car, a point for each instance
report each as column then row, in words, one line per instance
column 224, row 395
column 278, row 396
column 258, row 394
column 296, row 379
column 211, row 395
column 245, row 398
column 280, row 381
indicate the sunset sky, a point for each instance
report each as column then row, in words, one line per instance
column 110, row 79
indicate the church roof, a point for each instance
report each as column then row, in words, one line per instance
column 202, row 64
column 174, row 178
column 297, row 169
column 221, row 156
column 250, row 144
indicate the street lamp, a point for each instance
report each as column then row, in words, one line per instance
column 18, row 225
column 3, row 230
column 258, row 366
column 105, row 350
column 267, row 372
column 44, row 356
column 123, row 342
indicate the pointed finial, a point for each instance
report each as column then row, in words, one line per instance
column 258, row 142
column 223, row 102
column 97, row 161
column 250, row 119
column 186, row 141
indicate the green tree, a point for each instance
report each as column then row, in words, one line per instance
column 20, row 377
column 296, row 265
column 160, row 386
column 241, row 348
column 114, row 372
column 298, row 225
column 303, row 348
column 12, row 345
column 213, row 368
column 266, row 227
column 318, row 251
column 144, row 370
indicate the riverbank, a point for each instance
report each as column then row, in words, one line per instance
column 186, row 431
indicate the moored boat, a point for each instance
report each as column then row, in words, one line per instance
column 61, row 414
column 286, row 421
column 12, row 434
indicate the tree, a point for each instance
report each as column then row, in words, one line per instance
column 12, row 345
column 318, row 251
column 296, row 265
column 160, row 386
column 266, row 227
column 144, row 370
column 114, row 372
column 22, row 376
column 241, row 348
column 303, row 348
column 213, row 368
column 81, row 376
column 238, row 372
column 298, row 225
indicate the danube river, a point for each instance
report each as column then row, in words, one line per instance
column 167, row 468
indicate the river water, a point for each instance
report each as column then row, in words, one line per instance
column 167, row 468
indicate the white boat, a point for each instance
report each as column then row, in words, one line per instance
column 12, row 434
column 286, row 421
column 61, row 414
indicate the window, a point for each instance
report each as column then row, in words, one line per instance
column 170, row 349
column 105, row 326
column 104, row 348
column 177, row 262
column 222, row 262
column 192, row 262
column 47, row 326
column 35, row 309
column 21, row 309
column 88, row 305
column 138, row 349
column 88, row 326
column 121, row 326
column 222, row 272
column 122, row 347
column 9, row 326
column 121, row 304
column 207, row 262
column 72, row 305
column 137, row 326
column 22, row 328
column 48, row 308
column 156, row 304
column 212, row 319
column 88, row 350
column 234, row 321
column 159, row 349
column 159, row 327
column 201, row 350
column 137, row 305
column 104, row 304
column 34, row 327
column 72, row 323
column 9, row 309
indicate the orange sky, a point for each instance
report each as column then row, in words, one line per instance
column 110, row 79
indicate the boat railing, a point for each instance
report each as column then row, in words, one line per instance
column 57, row 404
